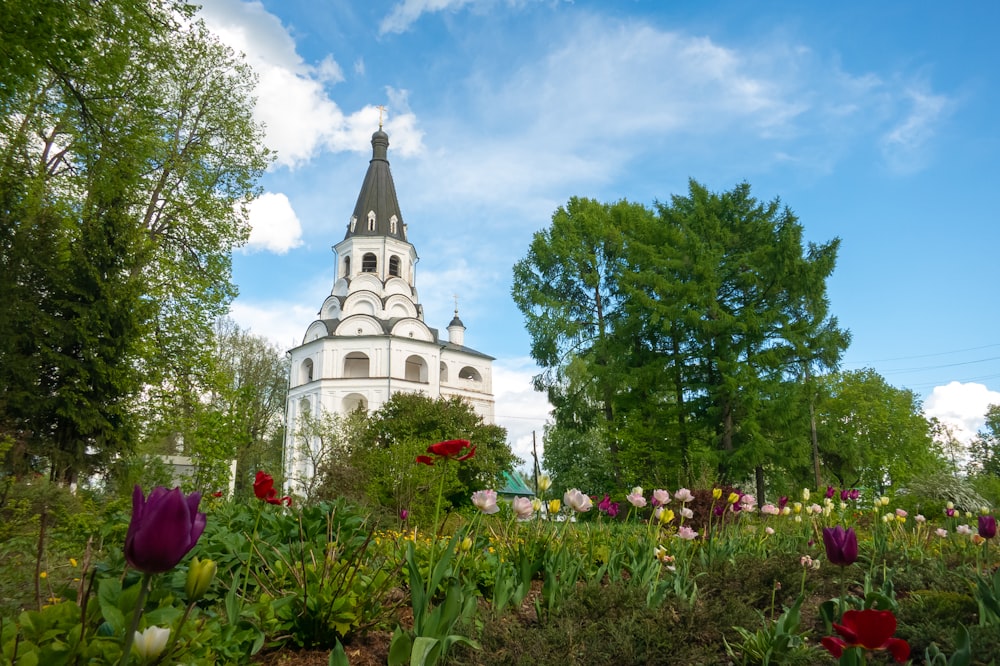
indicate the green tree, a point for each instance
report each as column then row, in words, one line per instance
column 984, row 450
column 567, row 290
column 127, row 154
column 385, row 450
column 872, row 434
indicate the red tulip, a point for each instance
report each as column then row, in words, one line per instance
column 447, row 450
column 868, row 629
column 164, row 528
column 263, row 488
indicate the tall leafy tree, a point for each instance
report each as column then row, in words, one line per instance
column 873, row 434
column 566, row 288
column 127, row 155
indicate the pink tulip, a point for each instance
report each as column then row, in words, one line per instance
column 485, row 501
column 523, row 508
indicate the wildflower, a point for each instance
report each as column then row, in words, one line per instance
column 577, row 501
column 485, row 501
column 544, row 483
column 660, row 497
column 164, row 527
column 964, row 530
column 523, row 509
column 151, row 642
column 635, row 498
column 684, row 495
column 987, row 526
column 200, row 575
column 43, row 575
column 716, row 493
column 841, row 545
column 452, row 448
column 263, row 488
column 868, row 629
column 554, row 506
column 941, row 532
column 685, row 532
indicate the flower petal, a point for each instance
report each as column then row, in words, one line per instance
column 425, row 460
column 899, row 648
column 834, row 645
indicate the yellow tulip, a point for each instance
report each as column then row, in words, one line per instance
column 554, row 506
column 717, row 493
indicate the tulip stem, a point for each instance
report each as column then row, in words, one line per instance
column 139, row 605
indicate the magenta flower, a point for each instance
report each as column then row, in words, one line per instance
column 987, row 526
column 830, row 491
column 403, row 514
column 783, row 502
column 164, row 528
column 841, row 545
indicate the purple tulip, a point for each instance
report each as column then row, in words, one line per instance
column 987, row 526
column 841, row 545
column 783, row 502
column 164, row 528
column 830, row 491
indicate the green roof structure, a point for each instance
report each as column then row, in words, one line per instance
column 515, row 485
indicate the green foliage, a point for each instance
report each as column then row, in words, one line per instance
column 679, row 337
column 128, row 153
column 387, row 444
column 779, row 642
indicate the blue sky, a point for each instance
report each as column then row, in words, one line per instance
column 874, row 122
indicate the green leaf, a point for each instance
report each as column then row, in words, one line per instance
column 338, row 657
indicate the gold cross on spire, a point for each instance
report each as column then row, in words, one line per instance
column 381, row 110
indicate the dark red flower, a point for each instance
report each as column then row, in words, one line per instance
column 869, row 629
column 987, row 526
column 217, row 493
column 448, row 450
column 841, row 545
column 263, row 486
column 164, row 527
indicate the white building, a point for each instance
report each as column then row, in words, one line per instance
column 370, row 340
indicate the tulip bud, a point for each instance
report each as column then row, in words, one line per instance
column 717, row 493
column 151, row 642
column 466, row 545
column 544, row 483
column 200, row 575
column 734, row 498
column 554, row 506
column 805, row 494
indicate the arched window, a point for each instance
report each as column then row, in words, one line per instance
column 394, row 265
column 470, row 374
column 369, row 263
column 306, row 375
column 356, row 365
column 393, row 222
column 305, row 409
column 444, row 372
column 354, row 223
column 347, row 267
column 354, row 402
column 371, row 220
column 416, row 369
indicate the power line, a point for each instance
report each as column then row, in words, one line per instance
column 909, row 358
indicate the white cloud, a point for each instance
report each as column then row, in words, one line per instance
column 274, row 225
column 962, row 406
column 282, row 323
column 300, row 118
column 519, row 408
column 407, row 12
column 903, row 145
